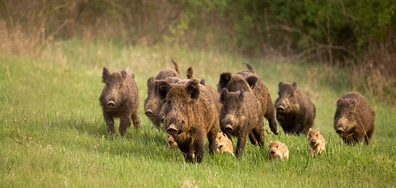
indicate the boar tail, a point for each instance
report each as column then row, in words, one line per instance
column 250, row 67
column 176, row 66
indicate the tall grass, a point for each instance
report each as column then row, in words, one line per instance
column 53, row 133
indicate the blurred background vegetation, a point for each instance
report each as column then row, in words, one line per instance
column 359, row 35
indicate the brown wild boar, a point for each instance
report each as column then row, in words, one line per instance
column 119, row 99
column 152, row 104
column 262, row 93
column 241, row 115
column 316, row 142
column 248, row 81
column 294, row 110
column 354, row 119
column 189, row 116
column 278, row 150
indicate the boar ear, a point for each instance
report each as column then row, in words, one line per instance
column 294, row 85
column 280, row 84
column 250, row 67
column 190, row 73
column 252, row 80
column 202, row 82
column 124, row 74
column 133, row 75
column 223, row 94
column 105, row 74
column 150, row 81
column 176, row 66
column 224, row 79
column 338, row 101
column 192, row 88
column 163, row 88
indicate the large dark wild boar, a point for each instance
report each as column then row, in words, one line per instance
column 189, row 116
column 238, row 82
column 354, row 119
column 152, row 104
column 294, row 110
column 119, row 99
column 262, row 93
column 240, row 115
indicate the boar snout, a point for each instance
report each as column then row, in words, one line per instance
column 340, row 130
column 272, row 152
column 228, row 127
column 172, row 129
column 313, row 142
column 280, row 108
column 149, row 112
column 111, row 104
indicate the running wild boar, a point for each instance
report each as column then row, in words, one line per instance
column 119, row 99
column 241, row 115
column 152, row 104
column 189, row 116
column 354, row 119
column 294, row 110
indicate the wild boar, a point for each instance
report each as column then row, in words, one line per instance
column 294, row 110
column 189, row 116
column 119, row 99
column 354, row 119
column 152, row 104
column 240, row 115
column 250, row 82
column 262, row 93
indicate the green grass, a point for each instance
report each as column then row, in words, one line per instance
column 52, row 133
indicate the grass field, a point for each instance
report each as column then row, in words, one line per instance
column 53, row 134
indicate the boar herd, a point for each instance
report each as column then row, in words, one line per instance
column 191, row 111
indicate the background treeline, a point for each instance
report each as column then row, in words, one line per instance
column 358, row 34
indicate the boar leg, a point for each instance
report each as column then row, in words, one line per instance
column 241, row 144
column 125, row 122
column 259, row 133
column 110, row 123
column 187, row 151
column 212, row 140
column 199, row 149
column 296, row 128
column 270, row 115
column 252, row 138
column 136, row 119
column 368, row 136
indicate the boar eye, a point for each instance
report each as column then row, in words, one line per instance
column 120, row 86
column 290, row 96
column 317, row 136
column 276, row 146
